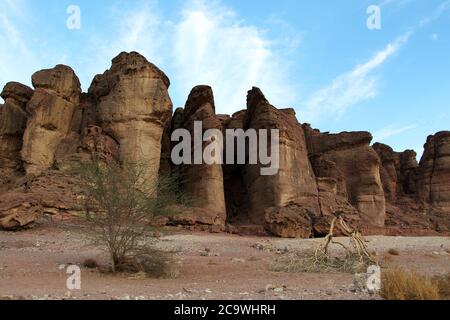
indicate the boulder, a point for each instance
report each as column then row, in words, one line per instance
column 291, row 221
column 52, row 192
column 18, row 210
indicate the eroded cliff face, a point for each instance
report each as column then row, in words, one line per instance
column 294, row 182
column 417, row 194
column 349, row 159
column 133, row 105
column 121, row 118
column 127, row 116
column 237, row 198
column 203, row 183
column 433, row 177
column 398, row 171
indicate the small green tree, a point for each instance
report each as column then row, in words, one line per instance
column 120, row 203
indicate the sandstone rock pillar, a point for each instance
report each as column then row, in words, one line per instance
column 51, row 110
column 13, row 120
column 133, row 105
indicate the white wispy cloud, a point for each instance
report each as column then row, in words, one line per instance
column 443, row 8
column 15, row 56
column 209, row 44
column 390, row 131
column 138, row 30
column 212, row 46
column 394, row 2
column 360, row 84
column 352, row 87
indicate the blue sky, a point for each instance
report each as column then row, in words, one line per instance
column 316, row 56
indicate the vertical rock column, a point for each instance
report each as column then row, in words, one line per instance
column 389, row 170
column 133, row 105
column 295, row 182
column 13, row 120
column 348, row 158
column 51, row 110
column 397, row 171
column 434, row 171
column 203, row 182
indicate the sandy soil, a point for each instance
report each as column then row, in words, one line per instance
column 213, row 266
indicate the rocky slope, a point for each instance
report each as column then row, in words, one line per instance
column 127, row 115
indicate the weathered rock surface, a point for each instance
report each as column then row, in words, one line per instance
column 236, row 193
column 55, row 191
column 18, row 210
column 133, row 106
column 13, row 119
column 348, row 158
column 95, row 142
column 202, row 182
column 50, row 193
column 290, row 221
column 434, row 172
column 389, row 170
column 408, row 172
column 51, row 110
column 294, row 183
column 398, row 171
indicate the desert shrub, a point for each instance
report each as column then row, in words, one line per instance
column 398, row 284
column 151, row 262
column 90, row 264
column 443, row 284
column 313, row 262
column 120, row 200
column 354, row 258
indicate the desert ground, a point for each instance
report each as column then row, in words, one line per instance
column 212, row 266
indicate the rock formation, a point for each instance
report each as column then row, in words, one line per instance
column 56, row 95
column 126, row 116
column 236, row 194
column 349, row 159
column 294, row 183
column 390, row 167
column 290, row 221
column 133, row 106
column 13, row 120
column 433, row 181
column 398, row 171
column 202, row 182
